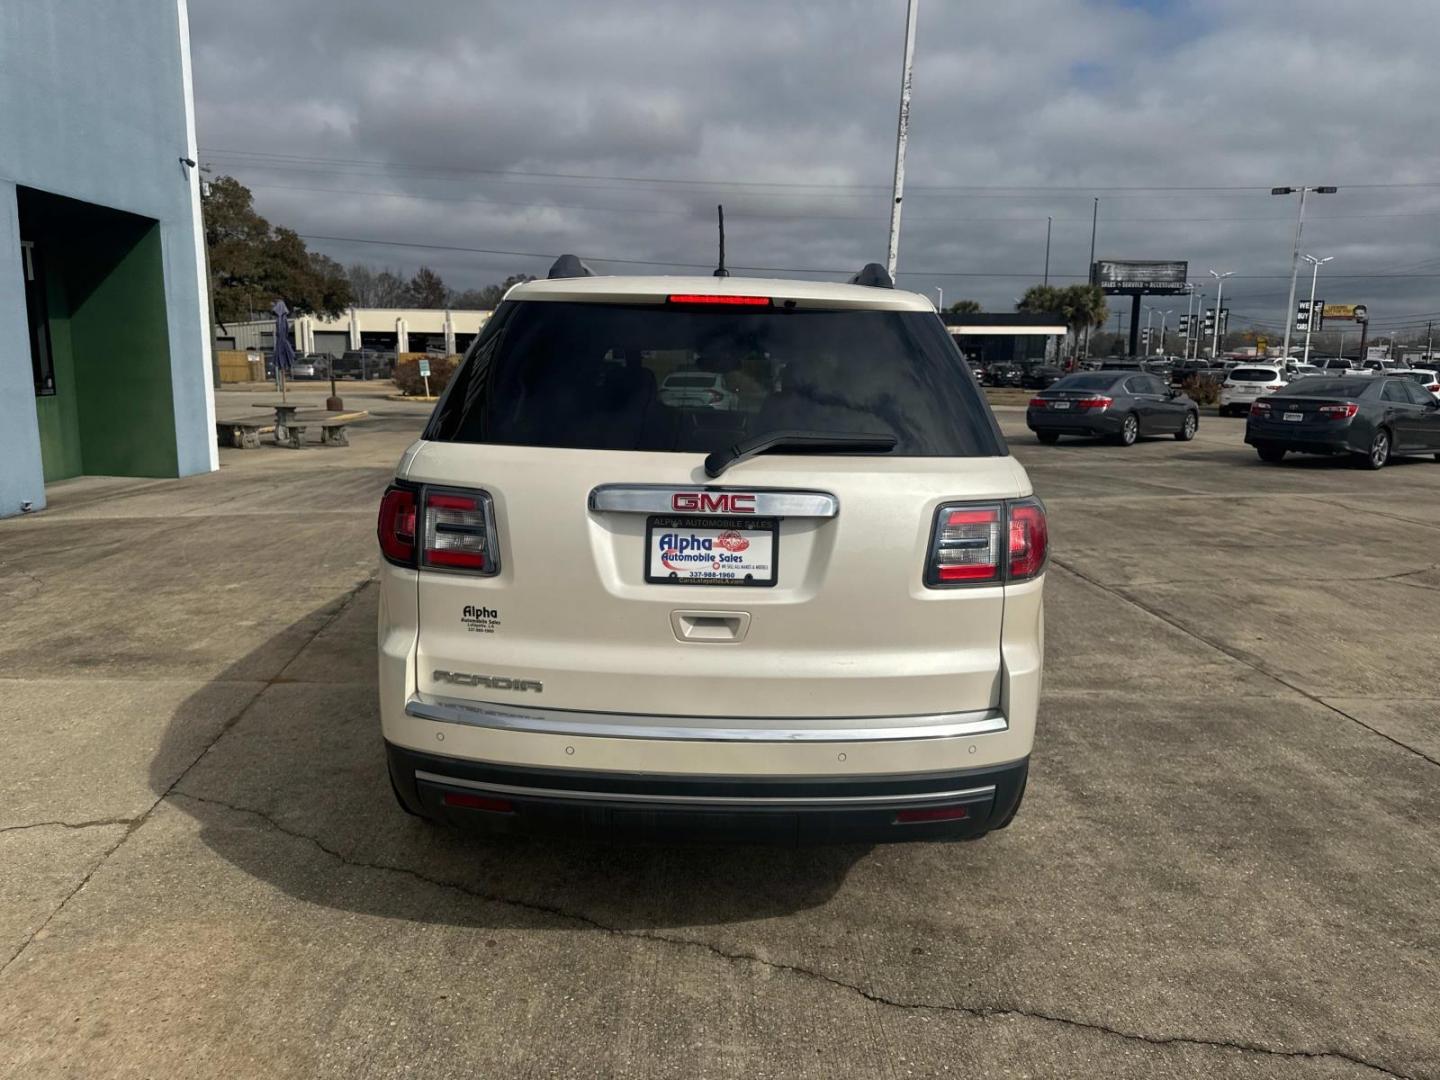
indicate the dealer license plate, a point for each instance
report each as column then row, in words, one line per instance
column 1059, row 405
column 1293, row 416
column 711, row 550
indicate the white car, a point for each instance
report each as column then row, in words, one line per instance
column 697, row 390
column 1376, row 367
column 1245, row 383
column 816, row 615
column 1427, row 378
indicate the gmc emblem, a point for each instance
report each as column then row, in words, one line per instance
column 712, row 502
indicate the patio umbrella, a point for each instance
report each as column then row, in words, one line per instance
column 284, row 351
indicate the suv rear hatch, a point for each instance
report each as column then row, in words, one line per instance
column 606, row 571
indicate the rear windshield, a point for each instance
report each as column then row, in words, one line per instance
column 599, row 376
column 1088, row 381
column 1321, row 386
column 1425, row 378
column 1253, row 374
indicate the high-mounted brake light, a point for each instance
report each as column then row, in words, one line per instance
column 1339, row 412
column 396, row 527
column 987, row 544
column 718, row 300
column 458, row 530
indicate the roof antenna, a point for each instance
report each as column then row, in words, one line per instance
column 720, row 270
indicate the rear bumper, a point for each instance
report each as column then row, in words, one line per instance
column 1328, row 439
column 785, row 810
column 1074, row 422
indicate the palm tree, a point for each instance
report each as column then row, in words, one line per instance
column 964, row 307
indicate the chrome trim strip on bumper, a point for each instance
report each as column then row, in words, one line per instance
column 656, row 499
column 604, row 725
column 875, row 801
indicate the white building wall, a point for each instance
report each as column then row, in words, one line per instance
column 96, row 104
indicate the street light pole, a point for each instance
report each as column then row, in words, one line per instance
column 1164, row 318
column 941, row 294
column 1310, row 319
column 1295, row 251
column 902, row 137
column 1219, row 295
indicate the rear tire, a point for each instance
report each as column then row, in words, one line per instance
column 1379, row 453
column 1129, row 430
column 1050, row 438
column 1189, row 427
column 1272, row 455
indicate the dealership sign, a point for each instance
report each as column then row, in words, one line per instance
column 1142, row 277
column 1352, row 312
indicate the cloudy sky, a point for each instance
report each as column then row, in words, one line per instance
column 611, row 128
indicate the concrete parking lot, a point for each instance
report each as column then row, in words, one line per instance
column 1228, row 863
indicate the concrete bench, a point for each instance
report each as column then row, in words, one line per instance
column 243, row 433
column 332, row 428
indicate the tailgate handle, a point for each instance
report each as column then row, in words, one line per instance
column 712, row 626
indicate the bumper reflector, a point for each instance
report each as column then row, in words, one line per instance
column 478, row 802
column 939, row 813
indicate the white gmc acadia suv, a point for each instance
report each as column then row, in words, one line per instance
column 816, row 614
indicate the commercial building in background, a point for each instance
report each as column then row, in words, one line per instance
column 393, row 330
column 104, row 348
column 1007, row 337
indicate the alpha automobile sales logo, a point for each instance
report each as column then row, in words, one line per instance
column 731, row 540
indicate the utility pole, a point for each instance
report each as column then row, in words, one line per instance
column 1429, row 339
column 902, row 136
column 1164, row 318
column 1219, row 313
column 1294, row 253
column 1048, row 222
column 1310, row 318
column 1090, row 270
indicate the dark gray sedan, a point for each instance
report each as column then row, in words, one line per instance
column 1119, row 405
column 1372, row 417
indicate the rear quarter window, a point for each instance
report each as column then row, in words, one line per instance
column 588, row 376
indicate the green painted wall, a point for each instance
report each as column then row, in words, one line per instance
column 113, row 411
column 59, row 413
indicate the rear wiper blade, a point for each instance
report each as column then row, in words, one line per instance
column 812, row 442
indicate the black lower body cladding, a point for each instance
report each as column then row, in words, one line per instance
column 507, row 798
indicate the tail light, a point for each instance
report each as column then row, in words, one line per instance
column 1098, row 403
column 1260, row 408
column 396, row 527
column 1339, row 412
column 715, row 396
column 1029, row 539
column 458, row 531
column 965, row 544
column 1039, row 402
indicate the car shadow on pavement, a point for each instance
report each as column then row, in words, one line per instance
column 295, row 792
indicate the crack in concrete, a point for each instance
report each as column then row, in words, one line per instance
column 68, row 824
column 979, row 1012
column 1241, row 658
column 1398, row 577
column 134, row 823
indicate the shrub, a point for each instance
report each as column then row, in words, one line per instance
column 1201, row 390
column 407, row 373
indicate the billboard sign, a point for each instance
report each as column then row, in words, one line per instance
column 1349, row 312
column 1308, row 316
column 1140, row 277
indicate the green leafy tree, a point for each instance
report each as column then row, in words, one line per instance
column 488, row 298
column 253, row 264
column 426, row 290
column 1081, row 306
column 964, row 307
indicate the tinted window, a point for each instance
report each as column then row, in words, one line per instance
column 1327, row 386
column 587, row 376
column 1395, row 391
column 690, row 380
column 1253, row 374
column 1087, row 381
column 1418, row 394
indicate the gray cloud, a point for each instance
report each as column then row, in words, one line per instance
column 1030, row 94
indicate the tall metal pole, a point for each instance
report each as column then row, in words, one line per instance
column 941, row 294
column 1294, row 268
column 1048, row 222
column 1164, row 318
column 902, row 136
column 1219, row 312
column 1429, row 338
column 1310, row 318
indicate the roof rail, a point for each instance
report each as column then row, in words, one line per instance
column 874, row 275
column 569, row 266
